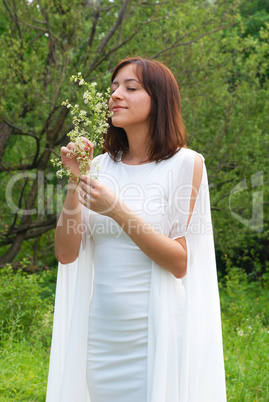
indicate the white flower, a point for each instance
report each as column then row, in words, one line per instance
column 94, row 119
column 59, row 174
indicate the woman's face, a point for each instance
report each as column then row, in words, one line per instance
column 129, row 101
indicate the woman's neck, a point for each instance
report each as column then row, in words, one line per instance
column 138, row 151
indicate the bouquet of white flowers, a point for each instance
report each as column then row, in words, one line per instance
column 90, row 123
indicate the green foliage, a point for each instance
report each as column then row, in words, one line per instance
column 223, row 76
column 245, row 322
column 218, row 51
column 225, row 106
column 244, row 298
column 23, row 372
column 256, row 14
column 246, row 362
column 26, row 311
column 25, row 357
column 25, row 307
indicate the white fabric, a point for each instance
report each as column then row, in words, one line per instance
column 185, row 357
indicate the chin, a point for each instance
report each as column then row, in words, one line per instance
column 116, row 124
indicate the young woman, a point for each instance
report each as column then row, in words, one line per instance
column 137, row 308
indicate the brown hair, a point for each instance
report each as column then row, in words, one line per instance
column 167, row 131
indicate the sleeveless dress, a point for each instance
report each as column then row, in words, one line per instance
column 118, row 317
column 124, row 328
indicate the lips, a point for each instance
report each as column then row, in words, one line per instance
column 117, row 108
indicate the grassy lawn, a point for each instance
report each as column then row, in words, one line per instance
column 23, row 372
column 246, row 363
column 24, row 362
column 245, row 317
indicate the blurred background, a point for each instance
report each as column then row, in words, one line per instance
column 219, row 54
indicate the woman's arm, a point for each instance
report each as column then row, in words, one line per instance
column 67, row 236
column 168, row 253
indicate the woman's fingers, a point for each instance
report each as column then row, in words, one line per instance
column 89, row 146
column 89, row 181
column 71, row 152
column 84, row 198
column 69, row 148
column 96, row 196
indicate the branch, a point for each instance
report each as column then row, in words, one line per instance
column 5, row 133
column 40, row 22
column 96, row 15
column 40, row 231
column 17, row 19
column 49, row 119
column 30, row 235
column 36, row 38
column 20, row 131
column 37, row 224
column 9, row 168
column 114, row 27
column 113, row 50
column 109, row 34
column 51, row 137
column 19, row 205
column 176, row 44
column 146, row 3
column 14, row 17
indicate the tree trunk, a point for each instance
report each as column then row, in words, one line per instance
column 52, row 135
column 5, row 132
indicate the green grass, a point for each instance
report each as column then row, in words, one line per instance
column 245, row 336
column 24, row 355
column 246, row 362
column 24, row 371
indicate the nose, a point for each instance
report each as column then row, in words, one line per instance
column 117, row 93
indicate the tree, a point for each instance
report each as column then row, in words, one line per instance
column 225, row 99
column 43, row 43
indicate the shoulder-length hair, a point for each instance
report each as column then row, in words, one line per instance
column 167, row 132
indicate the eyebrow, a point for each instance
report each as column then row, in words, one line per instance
column 127, row 80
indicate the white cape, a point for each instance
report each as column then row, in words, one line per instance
column 182, row 367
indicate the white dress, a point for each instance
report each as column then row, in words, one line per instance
column 126, row 329
column 118, row 324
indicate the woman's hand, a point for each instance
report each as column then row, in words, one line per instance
column 98, row 197
column 72, row 161
column 168, row 253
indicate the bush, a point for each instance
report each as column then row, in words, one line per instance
column 244, row 306
column 244, row 299
column 26, row 307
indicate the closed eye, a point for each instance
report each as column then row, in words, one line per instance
column 128, row 89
